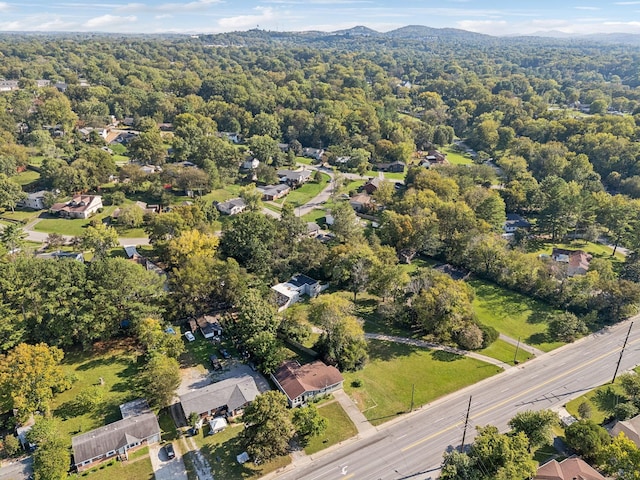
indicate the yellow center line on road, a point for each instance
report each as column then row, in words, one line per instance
column 510, row 399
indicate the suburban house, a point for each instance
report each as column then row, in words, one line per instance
column 209, row 326
column 372, row 185
column 361, row 202
column 232, row 207
column 290, row 292
column 231, row 136
column 630, row 428
column 397, row 167
column 80, row 206
column 132, row 254
column 284, row 147
column 151, row 169
column 315, row 153
column 294, row 178
column 577, row 261
column 313, row 229
column 250, row 164
column 224, row 398
column 301, row 383
column 9, row 85
column 114, row 440
column 273, row 192
column 515, row 222
column 430, row 158
column 34, row 200
column 572, row 468
column 342, row 160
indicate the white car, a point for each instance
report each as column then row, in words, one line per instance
column 190, row 336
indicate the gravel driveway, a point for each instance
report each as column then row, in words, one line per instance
column 165, row 469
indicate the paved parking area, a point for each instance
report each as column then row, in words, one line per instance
column 163, row 467
column 239, row 369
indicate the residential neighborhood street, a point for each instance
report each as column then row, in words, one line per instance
column 412, row 445
column 17, row 470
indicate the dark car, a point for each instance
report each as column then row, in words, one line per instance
column 168, row 448
column 215, row 362
column 224, row 353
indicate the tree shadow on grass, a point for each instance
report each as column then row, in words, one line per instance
column 444, row 356
column 606, row 400
column 383, row 350
column 537, row 339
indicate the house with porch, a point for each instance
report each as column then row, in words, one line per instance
column 114, row 440
column 515, row 222
column 301, row 383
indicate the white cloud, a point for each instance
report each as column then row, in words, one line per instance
column 265, row 15
column 109, row 21
column 164, row 15
column 190, row 6
column 4, row 6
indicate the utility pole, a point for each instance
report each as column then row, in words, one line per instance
column 466, row 424
column 622, row 353
column 515, row 357
column 413, row 391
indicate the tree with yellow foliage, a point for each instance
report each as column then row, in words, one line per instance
column 190, row 244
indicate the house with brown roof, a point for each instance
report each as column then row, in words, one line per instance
column 630, row 428
column 372, row 185
column 115, row 439
column 301, row 383
column 361, row 202
column 572, row 468
column 577, row 261
column 80, row 206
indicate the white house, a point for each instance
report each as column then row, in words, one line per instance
column 515, row 222
column 34, row 200
column 315, row 153
column 80, row 206
column 290, row 292
column 232, row 207
column 250, row 164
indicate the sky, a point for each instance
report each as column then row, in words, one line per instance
column 493, row 17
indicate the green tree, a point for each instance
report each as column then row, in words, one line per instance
column 503, row 457
column 148, row 147
column 11, row 445
column 159, row 380
column 566, row 327
column 131, row 216
column 51, row 461
column 252, row 197
column 10, row 192
column 345, row 222
column 587, row 438
column 268, row 427
column 308, row 423
column 621, row 458
column 536, row 425
column 30, row 375
column 155, row 339
column 99, row 239
column 12, row 236
column 460, row 466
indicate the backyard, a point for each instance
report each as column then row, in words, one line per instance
column 457, row 158
column 512, row 314
column 386, row 381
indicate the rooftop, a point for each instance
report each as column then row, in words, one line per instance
column 296, row 379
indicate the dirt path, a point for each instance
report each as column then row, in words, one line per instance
column 203, row 469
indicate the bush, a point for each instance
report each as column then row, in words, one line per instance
column 585, row 410
column 357, row 383
column 471, row 337
column 489, row 335
column 11, row 445
column 624, row 411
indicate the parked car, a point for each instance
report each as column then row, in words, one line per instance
column 215, row 362
column 190, row 336
column 224, row 353
column 168, row 448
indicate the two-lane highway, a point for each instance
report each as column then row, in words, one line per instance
column 411, row 447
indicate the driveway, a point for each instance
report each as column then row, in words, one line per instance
column 165, row 469
column 17, row 470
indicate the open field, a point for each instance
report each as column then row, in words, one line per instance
column 339, row 428
column 392, row 370
column 513, row 314
column 457, row 158
column 221, row 450
column 116, row 364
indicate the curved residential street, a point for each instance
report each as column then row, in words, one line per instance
column 411, row 446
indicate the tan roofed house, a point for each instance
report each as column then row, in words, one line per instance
column 304, row 382
column 80, row 206
column 572, row 468
column 630, row 428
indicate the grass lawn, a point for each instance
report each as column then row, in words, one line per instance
column 305, row 160
column 27, row 177
column 418, row 263
column 392, row 370
column 302, row 195
column 137, row 468
column 74, row 227
column 339, row 428
column 457, row 158
column 317, row 215
column 22, row 215
column 273, row 207
column 353, row 185
column 117, row 365
column 221, row 450
column 595, row 249
column 131, row 232
column 505, row 352
column 168, row 428
column 602, row 400
column 36, row 160
column 513, row 314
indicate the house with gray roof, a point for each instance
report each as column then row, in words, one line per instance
column 273, row 192
column 294, row 178
column 232, row 207
column 225, row 398
column 114, row 440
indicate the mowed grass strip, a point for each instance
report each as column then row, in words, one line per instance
column 392, row 370
column 137, row 468
column 505, row 352
column 512, row 314
column 339, row 428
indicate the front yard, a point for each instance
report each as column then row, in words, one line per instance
column 74, row 227
column 137, row 468
column 339, row 428
column 386, row 381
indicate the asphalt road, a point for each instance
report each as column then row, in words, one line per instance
column 19, row 470
column 411, row 447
